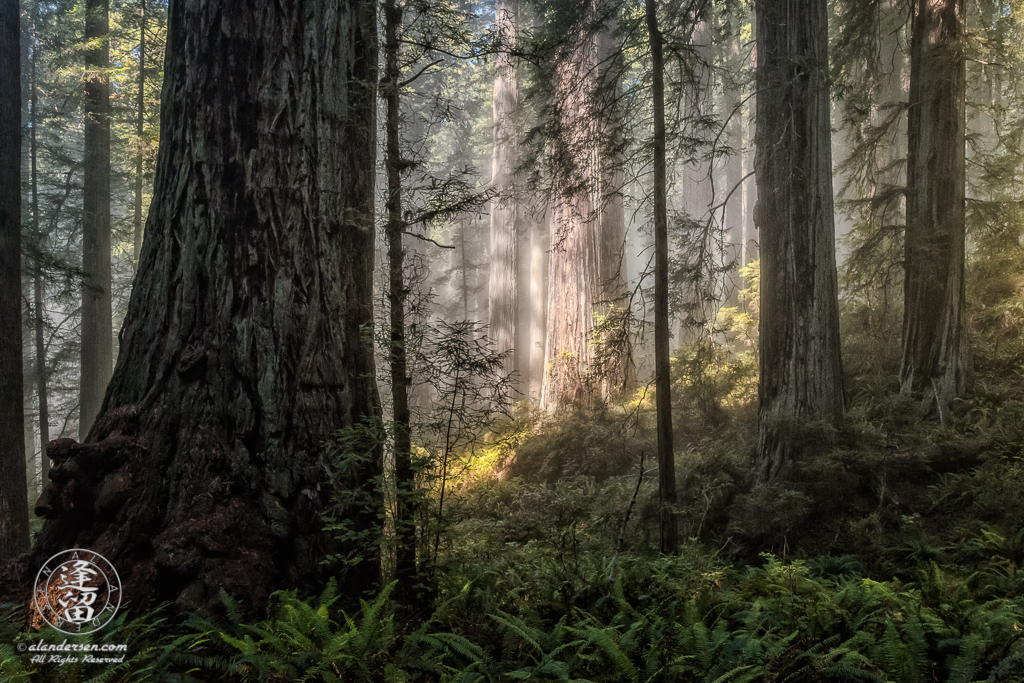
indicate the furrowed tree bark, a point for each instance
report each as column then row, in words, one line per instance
column 405, row 523
column 587, row 273
column 97, row 324
column 662, row 368
column 801, row 368
column 13, row 479
column 936, row 362
column 244, row 349
column 503, row 292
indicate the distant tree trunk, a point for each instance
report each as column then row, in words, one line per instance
column 615, row 357
column 801, row 367
column 503, row 294
column 243, row 350
column 734, row 176
column 38, row 292
column 13, row 481
column 662, row 374
column 97, row 325
column 936, row 362
column 39, row 323
column 405, row 524
column 587, row 276
column 751, row 239
column 140, row 121
column 536, row 303
column 464, row 270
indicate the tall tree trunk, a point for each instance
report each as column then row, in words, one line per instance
column 13, row 480
column 405, row 521
column 751, row 239
column 801, row 367
column 733, row 215
column 464, row 269
column 662, row 369
column 38, row 292
column 97, row 325
column 587, row 275
column 538, row 234
column 243, row 350
column 503, row 293
column 140, row 121
column 39, row 325
column 936, row 361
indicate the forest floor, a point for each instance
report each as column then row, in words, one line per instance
column 893, row 552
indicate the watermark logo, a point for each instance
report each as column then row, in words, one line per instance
column 77, row 591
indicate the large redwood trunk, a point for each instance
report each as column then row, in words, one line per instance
column 503, row 290
column 801, row 369
column 587, row 269
column 936, row 361
column 244, row 350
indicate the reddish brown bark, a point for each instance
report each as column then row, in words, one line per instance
column 587, row 272
column 243, row 351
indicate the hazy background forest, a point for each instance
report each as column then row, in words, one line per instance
column 695, row 348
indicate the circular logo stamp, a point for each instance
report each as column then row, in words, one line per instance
column 77, row 591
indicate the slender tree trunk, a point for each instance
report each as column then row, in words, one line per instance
column 243, row 350
column 503, row 293
column 936, row 359
column 140, row 120
column 13, row 481
column 41, row 389
column 38, row 292
column 801, row 368
column 405, row 518
column 97, row 325
column 662, row 375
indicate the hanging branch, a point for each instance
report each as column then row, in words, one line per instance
column 625, row 521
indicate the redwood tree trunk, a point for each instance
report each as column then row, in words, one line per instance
column 662, row 365
column 936, row 361
column 13, row 480
column 244, row 350
column 503, row 293
column 587, row 271
column 535, row 307
column 801, row 367
column 97, row 335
